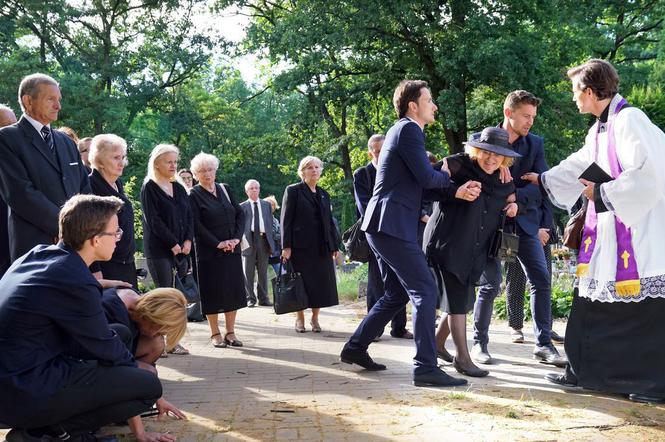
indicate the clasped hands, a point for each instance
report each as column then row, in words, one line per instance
column 228, row 245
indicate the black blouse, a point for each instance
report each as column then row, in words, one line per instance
column 459, row 241
column 216, row 219
column 167, row 221
column 125, row 248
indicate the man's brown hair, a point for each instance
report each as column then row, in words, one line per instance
column 598, row 75
column 406, row 92
column 85, row 216
column 519, row 97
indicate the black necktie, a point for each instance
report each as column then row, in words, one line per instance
column 257, row 227
column 46, row 133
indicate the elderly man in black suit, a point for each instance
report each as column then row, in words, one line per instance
column 363, row 186
column 258, row 244
column 7, row 117
column 40, row 168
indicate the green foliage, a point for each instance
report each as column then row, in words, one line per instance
column 562, row 299
column 651, row 100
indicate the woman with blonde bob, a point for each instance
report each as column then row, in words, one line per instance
column 465, row 218
column 310, row 239
column 220, row 223
column 168, row 229
column 149, row 318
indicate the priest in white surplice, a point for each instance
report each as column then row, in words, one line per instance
column 615, row 333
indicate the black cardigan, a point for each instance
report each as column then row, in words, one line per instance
column 125, row 248
column 215, row 220
column 459, row 232
column 167, row 220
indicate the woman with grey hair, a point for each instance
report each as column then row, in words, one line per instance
column 168, row 229
column 219, row 223
column 310, row 239
column 108, row 158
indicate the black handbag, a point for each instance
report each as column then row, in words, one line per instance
column 504, row 245
column 186, row 283
column 355, row 242
column 289, row 290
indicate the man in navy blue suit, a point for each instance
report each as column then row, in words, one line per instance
column 363, row 186
column 49, row 304
column 391, row 224
column 520, row 108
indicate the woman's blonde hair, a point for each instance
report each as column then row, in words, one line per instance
column 273, row 202
column 166, row 307
column 474, row 152
column 305, row 162
column 159, row 150
column 103, row 143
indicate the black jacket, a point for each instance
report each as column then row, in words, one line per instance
column 458, row 233
column 215, row 220
column 307, row 219
column 125, row 248
column 167, row 221
column 35, row 183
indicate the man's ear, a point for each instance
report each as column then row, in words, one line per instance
column 26, row 100
column 508, row 113
column 413, row 106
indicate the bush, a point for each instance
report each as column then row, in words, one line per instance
column 347, row 283
column 562, row 299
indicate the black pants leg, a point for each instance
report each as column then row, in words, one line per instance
column 93, row 397
column 161, row 270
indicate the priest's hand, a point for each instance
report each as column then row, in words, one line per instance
column 532, row 177
column 588, row 188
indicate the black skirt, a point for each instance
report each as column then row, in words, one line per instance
column 318, row 274
column 222, row 284
column 119, row 271
column 458, row 298
column 618, row 347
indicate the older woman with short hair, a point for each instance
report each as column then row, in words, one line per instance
column 219, row 222
column 108, row 158
column 310, row 239
column 168, row 228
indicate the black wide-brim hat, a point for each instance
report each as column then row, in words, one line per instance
column 493, row 139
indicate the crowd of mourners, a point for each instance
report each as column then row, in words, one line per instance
column 81, row 342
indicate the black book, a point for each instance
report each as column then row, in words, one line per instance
column 595, row 174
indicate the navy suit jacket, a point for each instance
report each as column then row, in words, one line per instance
column 403, row 172
column 35, row 183
column 363, row 186
column 537, row 211
column 49, row 303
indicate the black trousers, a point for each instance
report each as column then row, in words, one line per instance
column 161, row 270
column 94, row 396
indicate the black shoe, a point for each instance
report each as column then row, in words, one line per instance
column 645, row 399
column 404, row 335
column 437, row 378
column 16, row 435
column 251, row 304
column 361, row 358
column 444, row 355
column 556, row 337
column 561, row 379
column 548, row 354
column 474, row 371
column 265, row 303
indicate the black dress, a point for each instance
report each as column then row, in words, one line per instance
column 308, row 229
column 221, row 278
column 459, row 232
column 121, row 265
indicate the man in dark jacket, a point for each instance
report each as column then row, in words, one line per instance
column 40, row 168
column 363, row 186
column 519, row 109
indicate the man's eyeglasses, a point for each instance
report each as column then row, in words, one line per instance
column 118, row 234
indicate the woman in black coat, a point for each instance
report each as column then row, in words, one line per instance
column 108, row 158
column 219, row 222
column 465, row 219
column 310, row 239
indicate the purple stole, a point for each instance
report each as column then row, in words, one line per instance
column 627, row 276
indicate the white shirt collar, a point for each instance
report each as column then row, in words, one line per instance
column 36, row 124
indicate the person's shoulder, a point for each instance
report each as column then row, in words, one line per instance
column 534, row 140
column 292, row 187
column 361, row 171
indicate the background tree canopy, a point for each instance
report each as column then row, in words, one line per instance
column 151, row 72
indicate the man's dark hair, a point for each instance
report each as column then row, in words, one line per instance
column 85, row 216
column 598, row 75
column 517, row 98
column 406, row 92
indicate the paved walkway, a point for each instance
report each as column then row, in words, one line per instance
column 285, row 386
